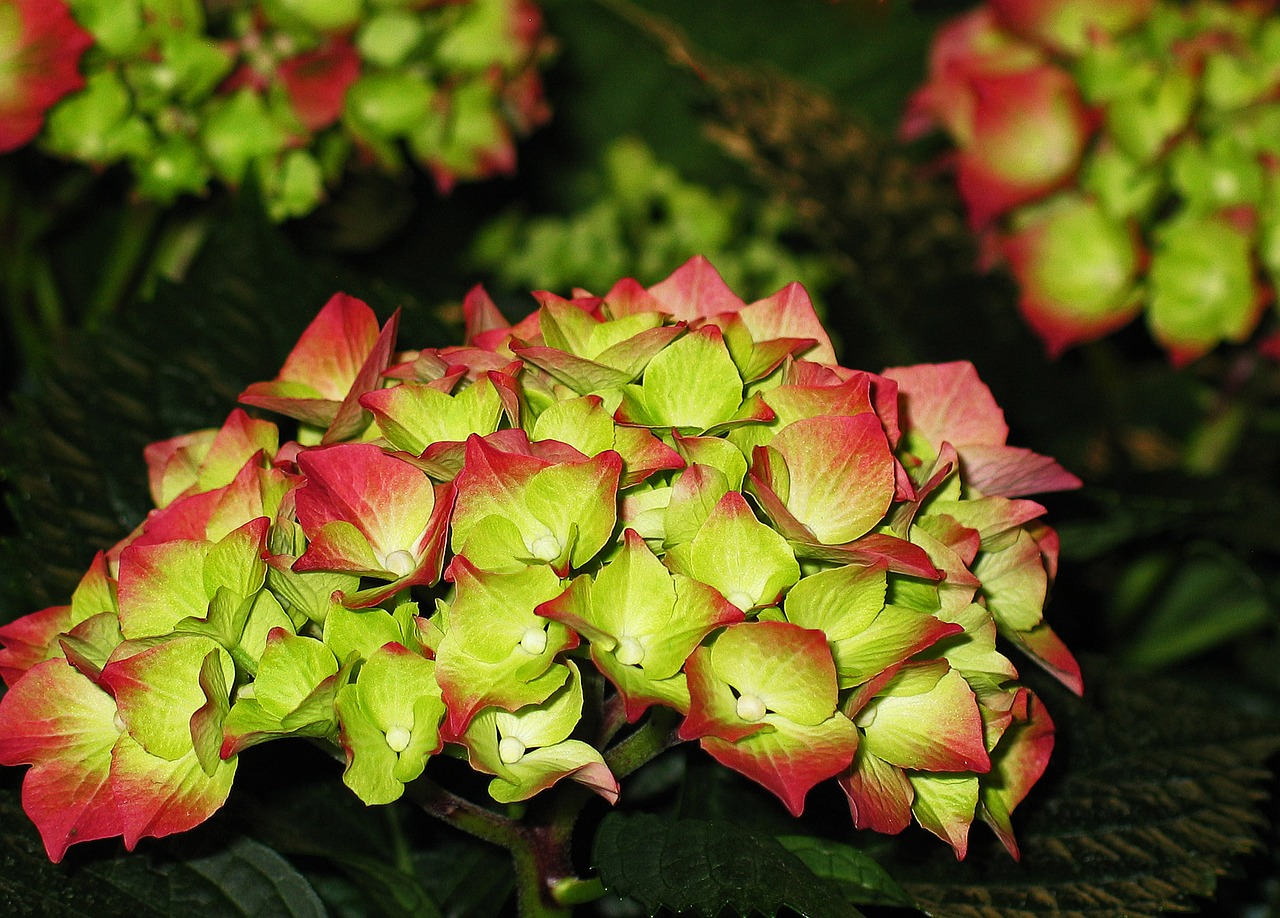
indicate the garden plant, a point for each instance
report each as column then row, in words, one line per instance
column 665, row 500
column 728, row 572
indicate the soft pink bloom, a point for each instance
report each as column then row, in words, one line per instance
column 1030, row 129
column 970, row 46
column 317, row 82
column 40, row 48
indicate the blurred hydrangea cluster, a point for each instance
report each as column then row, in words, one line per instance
column 667, row 493
column 1121, row 157
column 644, row 220
column 187, row 92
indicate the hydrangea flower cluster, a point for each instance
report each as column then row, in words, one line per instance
column 288, row 91
column 1121, row 157
column 667, row 487
column 40, row 49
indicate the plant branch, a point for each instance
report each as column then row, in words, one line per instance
column 654, row 736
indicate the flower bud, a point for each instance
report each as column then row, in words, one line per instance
column 389, row 104
column 174, row 167
column 388, row 37
column 1075, row 268
column 1068, row 26
column 325, row 15
column 98, row 125
column 237, row 131
column 1029, row 131
column 1202, row 286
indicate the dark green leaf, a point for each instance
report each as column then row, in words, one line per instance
column 243, row 879
column 1151, row 797
column 316, row 819
column 472, row 878
column 389, row 890
column 695, row 865
column 1211, row 599
column 859, row 877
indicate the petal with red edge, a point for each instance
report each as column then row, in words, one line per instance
column 56, row 720
column 938, row 728
column 695, row 290
column 840, row 474
column 791, row 758
column 879, row 794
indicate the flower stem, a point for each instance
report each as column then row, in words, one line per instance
column 654, row 736
column 133, row 246
column 539, row 854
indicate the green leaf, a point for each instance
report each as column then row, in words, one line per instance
column 391, row 891
column 701, row 866
column 316, row 820
column 240, row 879
column 473, row 877
column 1150, row 798
column 256, row 881
column 860, row 878
column 1212, row 598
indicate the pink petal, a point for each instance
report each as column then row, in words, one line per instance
column 947, row 402
column 1011, row 471
column 789, row 313
column 879, row 794
column 56, row 720
column 696, row 290
column 841, row 474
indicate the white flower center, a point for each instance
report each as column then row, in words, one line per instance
column 510, row 750
column 533, row 641
column 741, row 599
column 751, row 708
column 398, row 738
column 545, row 548
column 118, row 723
column 401, row 563
column 629, row 652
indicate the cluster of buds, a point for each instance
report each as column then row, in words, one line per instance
column 645, row 220
column 665, row 488
column 285, row 91
column 1122, row 157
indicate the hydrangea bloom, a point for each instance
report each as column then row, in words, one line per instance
column 287, row 92
column 1120, row 158
column 40, row 49
column 673, row 493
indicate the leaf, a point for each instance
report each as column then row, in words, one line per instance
column 703, row 866
column 242, row 879
column 391, row 891
column 473, row 877
column 71, row 451
column 860, row 878
column 314, row 820
column 1151, row 797
column 256, row 881
column 1212, row 598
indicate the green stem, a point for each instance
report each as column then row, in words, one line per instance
column 1216, row 437
column 44, row 290
column 536, row 861
column 463, row 814
column 577, row 891
column 655, row 736
column 399, row 844
column 133, row 245
column 546, row 884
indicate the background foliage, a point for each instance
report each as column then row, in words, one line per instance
column 1158, row 798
